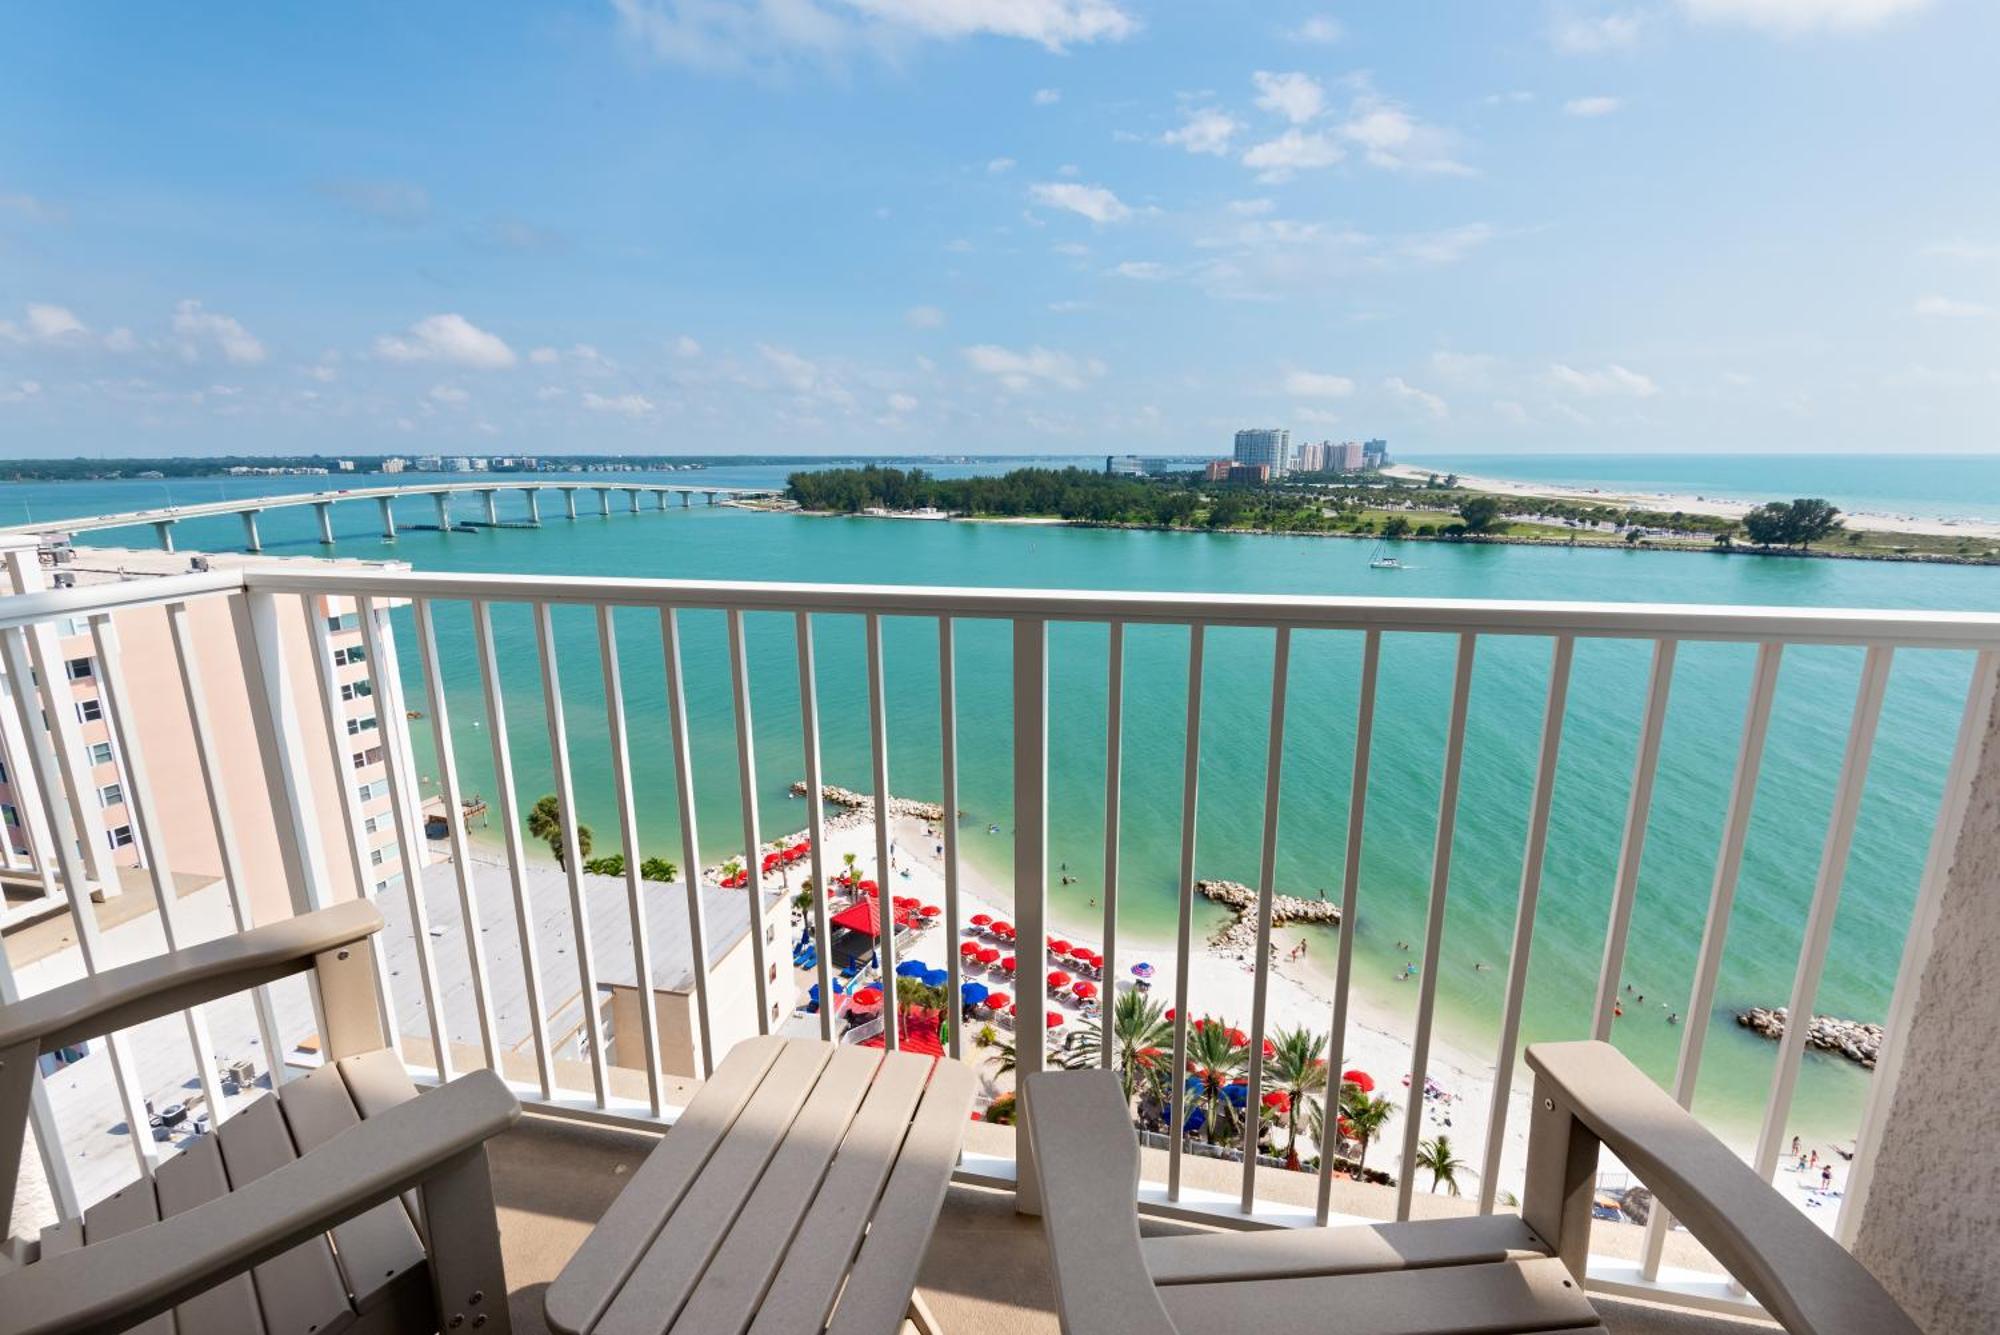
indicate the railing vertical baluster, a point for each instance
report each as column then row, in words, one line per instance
column 1350, row 894
column 628, row 831
column 1184, row 937
column 410, row 844
column 76, row 821
column 1031, row 875
column 592, row 1020
column 1267, row 890
column 885, row 909
column 1447, row 824
column 1825, row 902
column 274, row 716
column 1632, row 848
column 1952, row 808
column 117, row 704
column 187, row 657
column 1114, row 756
column 21, row 772
column 48, row 781
column 47, row 1129
column 670, row 638
column 461, row 846
column 517, row 858
column 746, row 772
column 1721, row 900
column 948, row 772
column 1524, row 919
column 815, row 818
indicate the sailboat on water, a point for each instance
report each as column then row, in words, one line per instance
column 1379, row 559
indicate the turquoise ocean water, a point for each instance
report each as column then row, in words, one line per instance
column 1815, row 693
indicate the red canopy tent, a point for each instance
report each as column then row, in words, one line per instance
column 865, row 918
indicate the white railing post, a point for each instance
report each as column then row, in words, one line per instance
column 274, row 716
column 1267, row 890
column 885, row 905
column 691, row 876
column 1114, row 748
column 746, row 775
column 1632, row 849
column 948, row 771
column 1184, row 932
column 815, row 819
column 1031, row 875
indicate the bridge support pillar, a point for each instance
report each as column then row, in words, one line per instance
column 165, row 528
column 388, row 517
column 443, row 499
column 324, row 509
column 659, row 499
column 569, row 501
column 534, row 495
column 632, row 496
column 492, row 508
column 604, row 501
column 711, row 498
column 250, row 538
column 687, row 498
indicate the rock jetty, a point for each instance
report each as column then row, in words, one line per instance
column 1240, row 936
column 862, row 803
column 1853, row 1039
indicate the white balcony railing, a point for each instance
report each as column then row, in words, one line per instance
column 295, row 769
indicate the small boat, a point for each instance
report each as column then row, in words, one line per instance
column 1378, row 561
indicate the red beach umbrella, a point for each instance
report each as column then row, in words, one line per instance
column 1170, row 1015
column 1359, row 1077
column 1009, row 964
column 1003, row 928
column 1058, row 947
column 1085, row 988
column 982, row 920
column 1054, row 1019
column 1058, row 979
column 999, row 1000
column 932, row 911
column 989, row 956
column 969, row 948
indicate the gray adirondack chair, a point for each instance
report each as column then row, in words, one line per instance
column 1496, row 1273
column 345, row 1202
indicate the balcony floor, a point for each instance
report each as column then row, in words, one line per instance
column 987, row 1269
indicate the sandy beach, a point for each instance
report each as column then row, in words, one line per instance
column 1722, row 507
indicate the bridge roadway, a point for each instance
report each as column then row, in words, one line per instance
column 164, row 518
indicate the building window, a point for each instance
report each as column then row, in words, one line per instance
column 356, row 690
column 100, row 754
column 3, row 773
column 375, row 857
column 371, row 825
column 388, row 883
column 89, row 711
column 370, row 791
column 110, row 795
column 9, row 814
column 352, row 653
column 357, row 726
column 120, row 837
column 81, row 669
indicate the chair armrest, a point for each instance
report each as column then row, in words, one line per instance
column 112, row 1285
column 1804, row 1279
column 1087, row 1163
column 147, row 989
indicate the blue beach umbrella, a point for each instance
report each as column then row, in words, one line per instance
column 973, row 993
column 936, row 978
column 912, row 969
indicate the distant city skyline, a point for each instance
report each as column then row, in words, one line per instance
column 1046, row 227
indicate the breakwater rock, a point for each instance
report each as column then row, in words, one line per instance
column 1855, row 1040
column 1240, row 936
column 850, row 800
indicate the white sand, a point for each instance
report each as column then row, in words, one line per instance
column 1701, row 505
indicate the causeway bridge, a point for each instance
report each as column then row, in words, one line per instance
column 531, row 493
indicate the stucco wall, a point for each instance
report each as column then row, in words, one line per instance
column 1931, row 1226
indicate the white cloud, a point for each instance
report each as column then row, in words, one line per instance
column 1591, row 106
column 1068, row 307
column 623, row 405
column 998, row 166
column 806, row 377
column 55, row 324
column 1511, row 411
column 1317, row 385
column 1296, row 97
column 121, row 339
column 1295, row 150
column 1092, row 201
column 451, row 395
column 1391, row 138
column 1595, row 34
column 1145, row 270
column 1465, row 369
column 1950, row 308
column 197, row 326
column 1319, row 30
column 23, row 391
column 1961, row 249
column 452, row 339
column 1208, row 130
column 544, row 356
column 924, row 317
column 686, row 347
column 1788, row 17
column 1613, row 381
column 1047, row 97
column 900, row 403
column 549, row 393
column 1036, row 366
column 1252, row 208
column 1447, row 246
column 1409, row 393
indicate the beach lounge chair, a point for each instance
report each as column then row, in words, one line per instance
column 1494, row 1273
column 345, row 1201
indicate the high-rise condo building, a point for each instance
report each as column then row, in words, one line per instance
column 1270, row 446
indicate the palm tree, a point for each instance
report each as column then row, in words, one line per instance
column 1139, row 1035
column 1213, row 1061
column 1436, row 1158
column 851, row 876
column 1006, row 1058
column 1365, row 1114
column 1297, row 1066
column 545, row 822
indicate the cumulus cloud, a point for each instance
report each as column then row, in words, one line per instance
column 1447, row 246
column 621, row 405
column 1092, row 201
column 1591, row 106
column 924, row 317
column 1295, row 150
column 42, row 323
column 686, row 347
column 22, row 391
column 449, row 338
column 1950, row 308
column 1590, row 35
column 1613, row 381
column 1047, row 97
column 1789, row 17
column 900, row 403
column 1391, row 138
column 1319, row 30
column 1404, row 390
column 1000, row 166
column 451, row 395
column 1317, row 385
column 1033, row 367
column 1208, row 130
column 198, row 328
column 1296, row 97
column 1145, row 270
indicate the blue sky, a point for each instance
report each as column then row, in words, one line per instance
column 1035, row 226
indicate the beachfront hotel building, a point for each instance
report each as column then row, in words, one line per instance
column 1270, row 446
